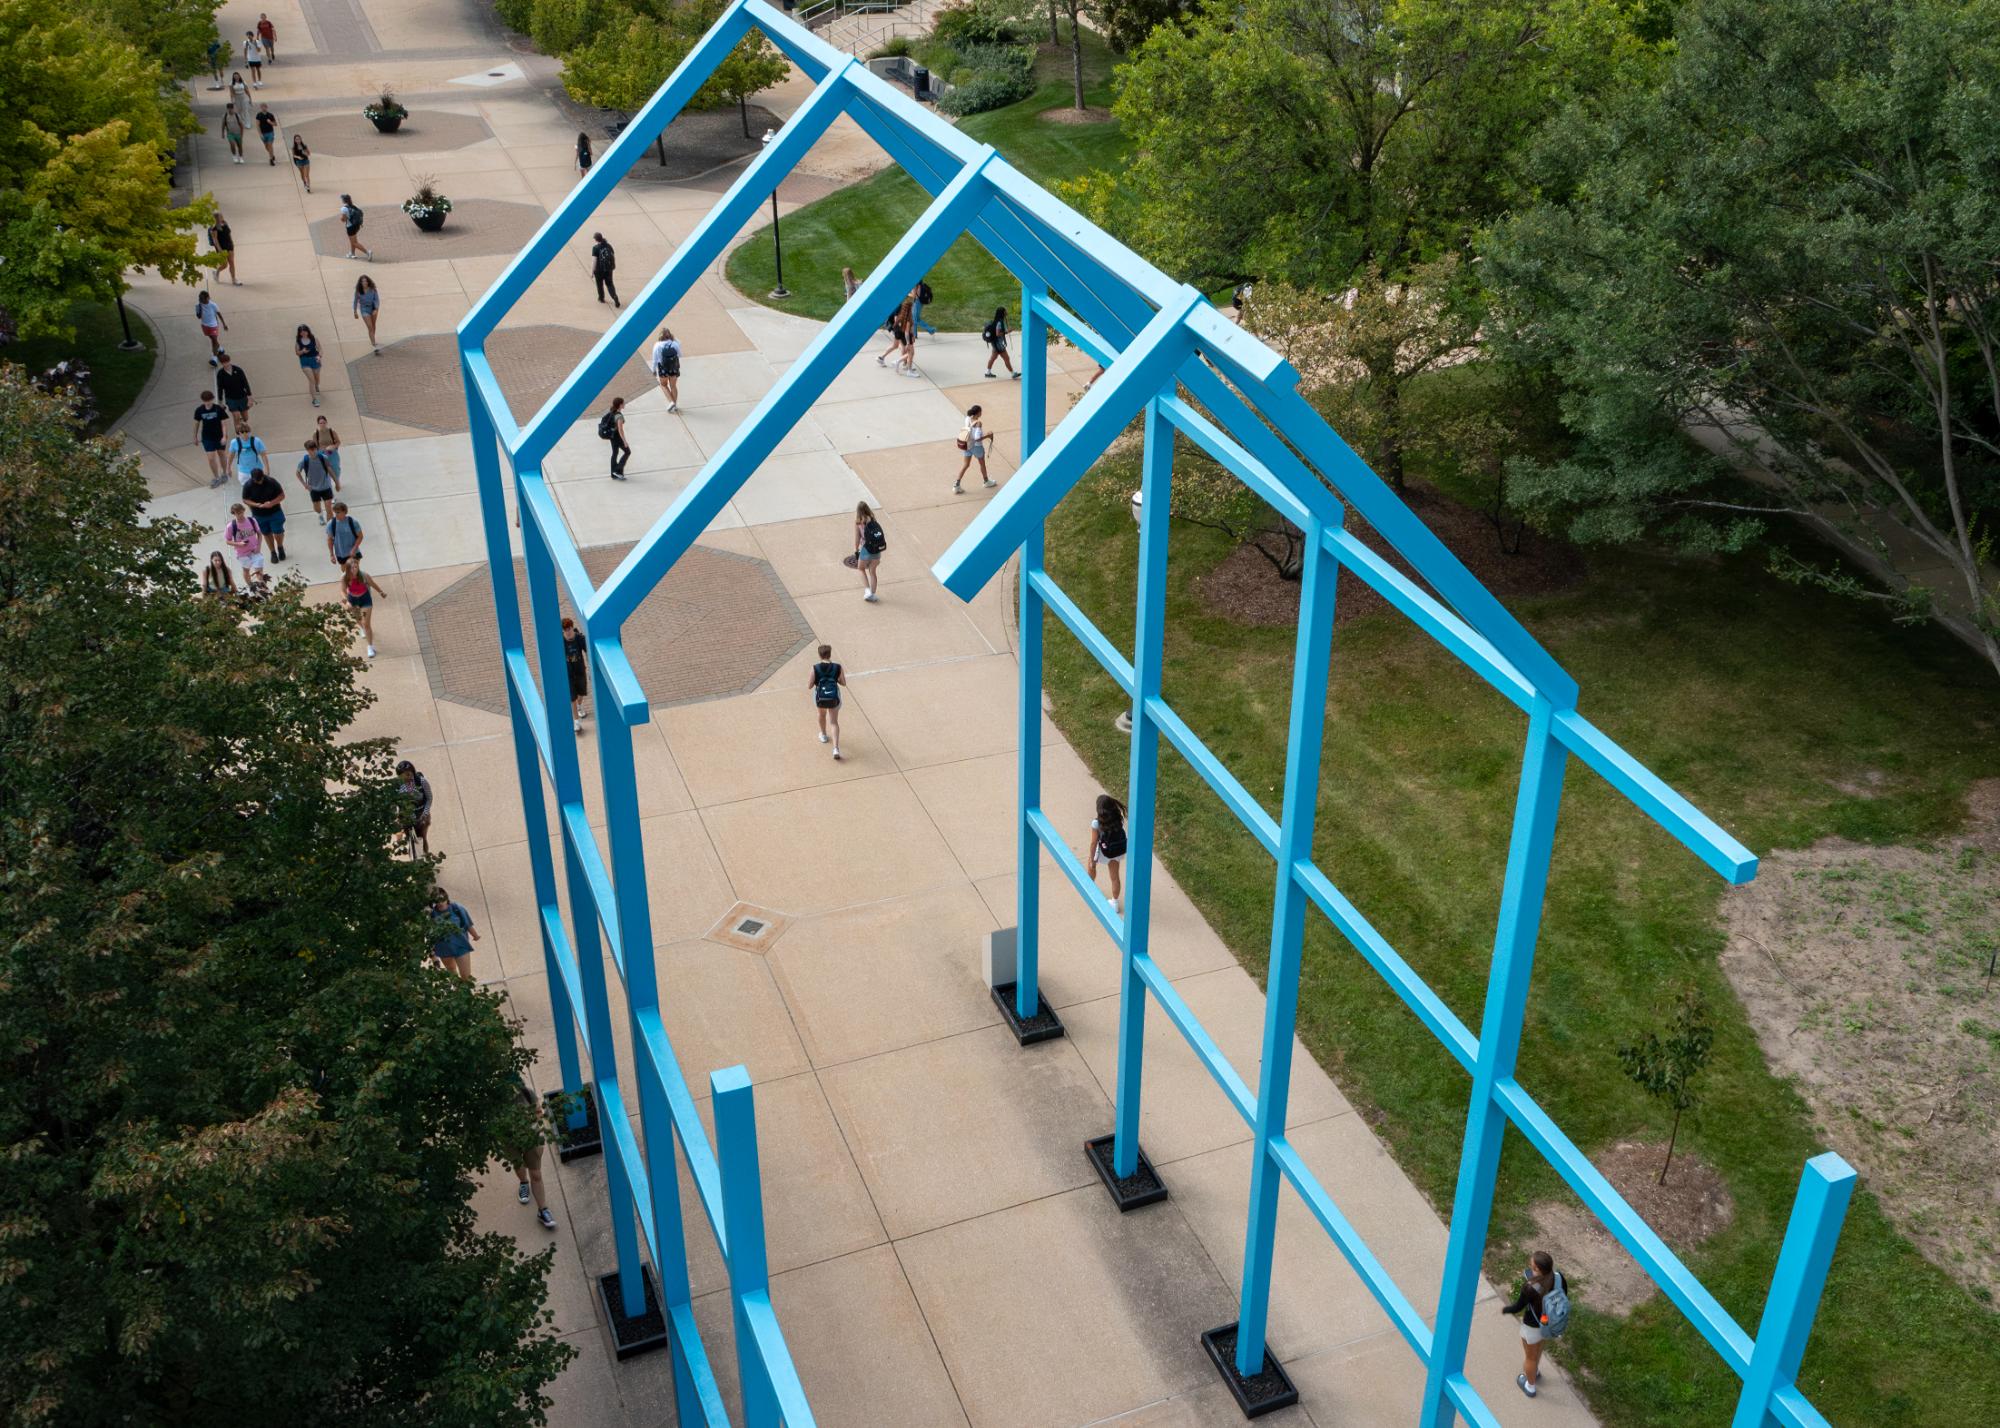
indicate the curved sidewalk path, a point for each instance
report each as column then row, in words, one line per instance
column 941, row 1251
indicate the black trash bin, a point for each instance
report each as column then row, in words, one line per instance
column 920, row 82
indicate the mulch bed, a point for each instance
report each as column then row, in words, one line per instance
column 1063, row 114
column 1247, row 588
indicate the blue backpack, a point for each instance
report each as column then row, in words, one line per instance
column 1555, row 1310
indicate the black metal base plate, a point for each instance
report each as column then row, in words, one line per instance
column 1261, row 1393
column 587, row 1139
column 1128, row 1192
column 1044, row 1025
column 633, row 1336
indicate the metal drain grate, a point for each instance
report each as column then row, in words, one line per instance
column 750, row 927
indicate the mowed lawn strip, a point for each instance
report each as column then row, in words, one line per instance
column 857, row 226
column 1757, row 700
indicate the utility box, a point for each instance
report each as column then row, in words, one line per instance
column 920, row 82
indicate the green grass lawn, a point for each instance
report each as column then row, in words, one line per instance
column 116, row 376
column 858, row 226
column 1757, row 700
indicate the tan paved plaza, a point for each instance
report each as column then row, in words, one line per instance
column 941, row 1251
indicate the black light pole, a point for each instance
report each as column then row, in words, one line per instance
column 131, row 343
column 777, row 242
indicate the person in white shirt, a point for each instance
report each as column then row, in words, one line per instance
column 972, row 441
column 253, row 55
column 666, row 365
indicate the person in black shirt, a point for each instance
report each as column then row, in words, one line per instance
column 266, row 499
column 208, row 423
column 603, row 262
column 233, row 382
column 1538, row 1281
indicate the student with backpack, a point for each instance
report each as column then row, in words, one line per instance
column 222, row 240
column 826, row 683
column 417, row 800
column 247, row 451
column 528, row 1164
column 666, row 365
column 209, row 419
column 242, row 536
column 902, row 339
column 869, row 543
column 576, row 664
column 603, row 263
column 919, row 295
column 350, row 220
column 1107, row 846
column 449, row 940
column 995, row 333
column 265, row 497
column 343, row 534
column 611, row 428
column 317, row 477
column 1543, row 1305
column 972, row 441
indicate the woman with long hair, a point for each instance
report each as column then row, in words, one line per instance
column 1107, row 846
column 584, row 159
column 302, row 160
column 900, row 340
column 329, row 447
column 996, row 344
column 215, row 576
column 1537, row 1283
column 611, row 426
column 869, row 543
column 367, row 303
column 306, row 346
column 361, row 590
column 972, row 439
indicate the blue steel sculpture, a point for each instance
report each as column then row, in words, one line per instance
column 1172, row 360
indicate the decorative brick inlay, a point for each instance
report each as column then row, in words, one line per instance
column 427, row 131
column 718, row 624
column 477, row 228
column 415, row 381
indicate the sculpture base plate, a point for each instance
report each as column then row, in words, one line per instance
column 1128, row 1192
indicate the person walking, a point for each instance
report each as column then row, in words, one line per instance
column 232, row 132
column 266, row 499
column 253, row 55
column 849, row 284
column 233, row 382
column 343, row 534
column 576, row 663
column 239, row 100
column 242, row 536
column 869, row 542
column 306, row 346
column 611, row 426
column 302, row 160
column 329, row 446
column 360, row 589
column 318, row 481
column 995, row 333
column 603, row 263
column 246, row 452
column 267, row 131
column 417, row 801
column 209, row 419
column 215, row 577
column 1107, row 846
column 584, row 158
column 1543, row 1306
column 666, row 364
column 212, row 325
column 828, row 679
column 267, row 34
column 217, row 50
column 919, row 295
column 350, row 220
column 528, row 1164
column 900, row 341
column 972, row 441
column 367, row 303
column 221, row 240
column 449, row 942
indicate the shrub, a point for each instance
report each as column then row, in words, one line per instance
column 516, row 14
column 988, row 89
column 937, row 56
column 559, row 26
column 980, row 22
column 898, row 45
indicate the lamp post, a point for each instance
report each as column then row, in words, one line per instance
column 131, row 343
column 777, row 243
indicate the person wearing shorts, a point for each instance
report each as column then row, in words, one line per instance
column 416, row 790
column 350, row 219
column 267, row 132
column 253, row 55
column 343, row 535
column 242, row 536
column 265, row 497
column 329, row 446
column 318, row 481
column 1107, row 846
column 213, row 325
column 247, row 451
column 972, row 441
column 360, row 589
column 826, row 682
column 666, row 365
column 222, row 240
column 267, row 34
column 302, row 160
column 451, row 942
column 1539, row 1280
column 528, row 1166
column 306, row 345
column 209, row 420
column 996, row 345
column 869, row 543
column 232, row 119
column 576, row 663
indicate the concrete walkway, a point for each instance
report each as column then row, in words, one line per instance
column 940, row 1249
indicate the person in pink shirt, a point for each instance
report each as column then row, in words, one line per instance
column 242, row 536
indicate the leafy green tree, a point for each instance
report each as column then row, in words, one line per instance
column 1666, row 1063
column 242, row 1114
column 624, row 65
column 1308, row 139
column 1788, row 248
column 175, row 32
column 1127, row 23
column 558, row 26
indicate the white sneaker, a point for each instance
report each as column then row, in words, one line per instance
column 869, row 596
column 836, row 751
column 673, row 406
column 371, row 651
column 576, row 726
column 822, row 738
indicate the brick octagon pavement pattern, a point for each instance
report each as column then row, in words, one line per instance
column 415, row 382
column 718, row 624
column 477, row 228
column 426, row 131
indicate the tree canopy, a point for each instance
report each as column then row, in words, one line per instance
column 629, row 53
column 242, row 1114
column 1787, row 246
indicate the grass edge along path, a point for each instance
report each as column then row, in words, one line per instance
column 117, row 377
column 1754, row 698
column 859, row 225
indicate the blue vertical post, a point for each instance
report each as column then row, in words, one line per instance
column 527, row 759
column 743, row 1221
column 584, row 940
column 1028, row 882
column 1288, row 922
column 1536, row 805
column 1148, row 643
column 1817, row 1213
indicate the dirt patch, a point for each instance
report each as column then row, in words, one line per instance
column 1693, row 1205
column 1063, row 114
column 1864, row 972
column 1247, row 588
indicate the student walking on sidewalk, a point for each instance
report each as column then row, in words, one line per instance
column 995, row 334
column 317, row 478
column 306, row 346
column 360, row 589
column 267, row 34
column 209, row 419
column 666, row 364
column 584, row 158
column 239, row 100
column 234, row 384
column 267, row 130
column 869, row 542
column 265, row 497
column 827, row 681
column 972, row 441
column 417, row 801
column 242, row 536
column 1543, row 1305
column 253, row 55
column 611, row 426
column 1107, row 846
column 343, row 534
column 247, row 451
column 919, row 295
column 350, row 220
column 367, row 303
column 576, row 664
column 302, row 160
column 449, row 940
column 221, row 240
column 603, row 263
column 528, row 1165
column 212, row 325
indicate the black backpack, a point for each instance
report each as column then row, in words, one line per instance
column 607, row 425
column 923, row 292
column 826, row 684
column 872, row 538
column 987, row 333
column 353, row 215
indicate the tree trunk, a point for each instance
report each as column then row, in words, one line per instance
column 1389, row 450
column 1672, row 1136
column 1076, row 54
column 1055, row 28
column 743, row 113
